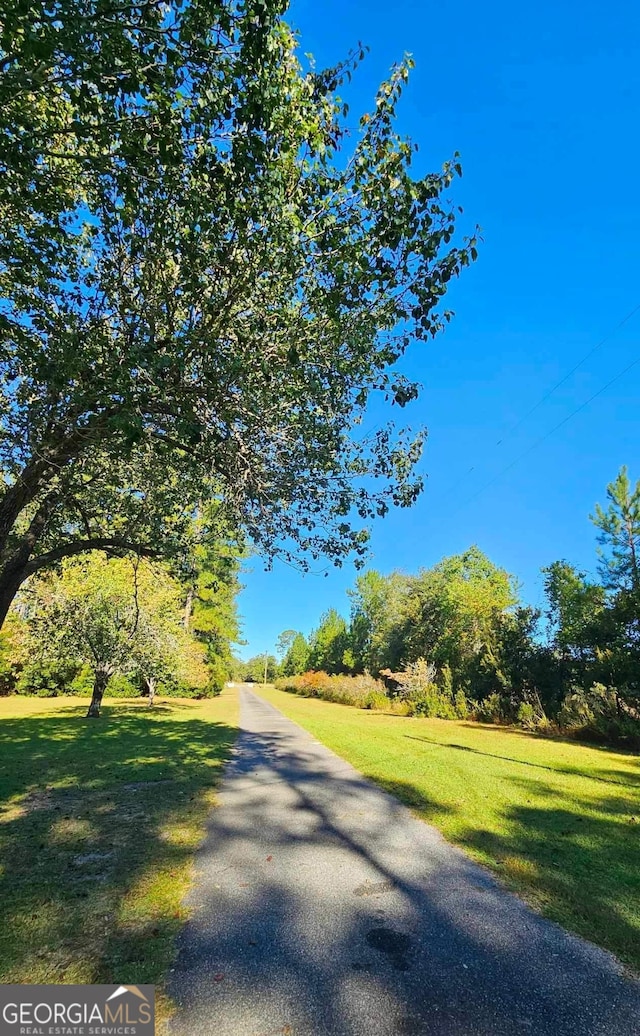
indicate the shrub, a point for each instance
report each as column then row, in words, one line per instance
column 361, row 691
column 491, row 710
column 422, row 694
column 587, row 706
column 461, row 705
column 121, row 686
column 526, row 715
column 530, row 713
column 46, row 678
column 596, row 714
column 376, row 700
column 418, row 694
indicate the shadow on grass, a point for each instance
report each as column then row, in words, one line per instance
column 575, row 858
column 618, row 777
column 581, row 869
column 98, row 824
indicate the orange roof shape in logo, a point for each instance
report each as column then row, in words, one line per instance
column 121, row 990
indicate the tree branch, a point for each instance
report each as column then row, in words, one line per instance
column 67, row 550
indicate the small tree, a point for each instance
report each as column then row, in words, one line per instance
column 111, row 614
column 296, row 660
column 89, row 612
column 164, row 653
column 260, row 665
column 162, row 650
column 619, row 536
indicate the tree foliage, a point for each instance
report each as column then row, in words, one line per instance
column 114, row 616
column 448, row 614
column 259, row 669
column 329, row 643
column 296, row 659
column 209, row 575
column 619, row 536
column 204, row 279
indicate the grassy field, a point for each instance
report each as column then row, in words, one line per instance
column 99, row 820
column 559, row 822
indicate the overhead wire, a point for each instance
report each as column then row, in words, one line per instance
column 543, row 399
column 569, row 374
column 548, row 434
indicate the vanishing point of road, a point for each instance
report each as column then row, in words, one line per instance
column 322, row 907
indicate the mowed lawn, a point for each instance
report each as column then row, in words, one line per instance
column 558, row 821
column 99, row 820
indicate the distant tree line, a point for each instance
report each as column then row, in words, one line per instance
column 574, row 662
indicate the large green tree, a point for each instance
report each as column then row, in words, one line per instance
column 451, row 614
column 575, row 609
column 377, row 630
column 329, row 644
column 259, row 669
column 296, row 659
column 208, row 571
column 455, row 610
column 202, row 277
column 619, row 549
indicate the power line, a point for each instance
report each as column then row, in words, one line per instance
column 451, row 489
column 548, row 434
column 566, row 377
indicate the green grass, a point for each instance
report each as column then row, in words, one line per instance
column 559, row 822
column 99, row 820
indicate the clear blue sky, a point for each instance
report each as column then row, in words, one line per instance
column 543, row 102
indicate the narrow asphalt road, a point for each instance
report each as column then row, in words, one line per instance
column 322, row 907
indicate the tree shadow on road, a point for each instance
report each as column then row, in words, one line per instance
column 280, row 944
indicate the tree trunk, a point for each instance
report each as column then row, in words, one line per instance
column 188, row 608
column 151, row 684
column 14, row 569
column 99, row 687
column 10, row 583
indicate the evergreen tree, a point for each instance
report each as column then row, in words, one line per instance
column 328, row 643
column 296, row 660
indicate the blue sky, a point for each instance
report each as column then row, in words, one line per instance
column 542, row 100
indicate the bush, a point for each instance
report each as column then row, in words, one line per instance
column 587, row 706
column 218, row 674
column 82, row 683
column 376, row 700
column 120, row 686
column 361, row 691
column 423, row 695
column 491, row 710
column 526, row 715
column 597, row 714
column 418, row 695
column 46, row 678
column 461, row 705
column 430, row 702
column 531, row 715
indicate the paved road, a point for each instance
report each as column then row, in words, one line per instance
column 323, row 908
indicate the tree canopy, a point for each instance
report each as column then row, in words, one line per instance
column 204, row 278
